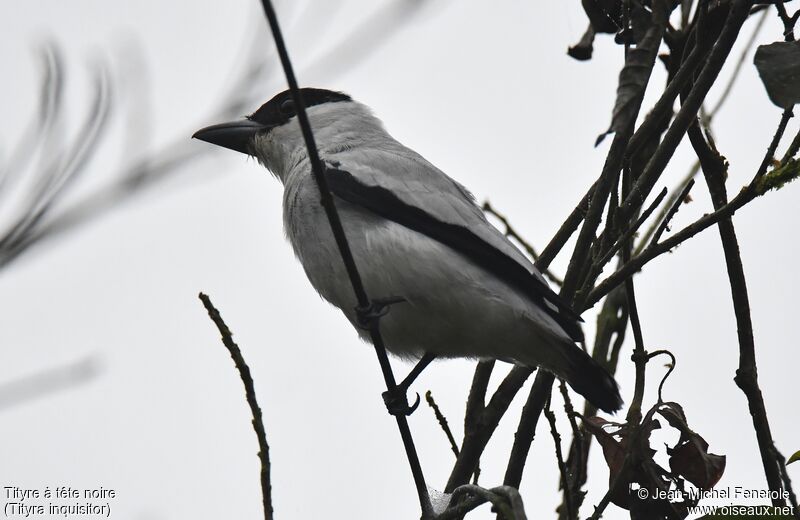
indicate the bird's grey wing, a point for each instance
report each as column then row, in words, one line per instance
column 420, row 197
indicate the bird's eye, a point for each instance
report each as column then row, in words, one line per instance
column 287, row 108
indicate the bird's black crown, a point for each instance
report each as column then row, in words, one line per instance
column 280, row 108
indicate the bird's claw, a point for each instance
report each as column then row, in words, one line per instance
column 397, row 402
column 376, row 309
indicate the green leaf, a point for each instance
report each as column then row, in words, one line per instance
column 793, row 458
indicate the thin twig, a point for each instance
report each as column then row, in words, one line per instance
column 476, row 403
column 676, row 205
column 512, row 233
column 481, row 426
column 672, row 200
column 792, row 150
column 567, row 229
column 442, row 422
column 631, row 231
column 671, row 366
column 569, row 410
column 639, row 356
column 773, row 145
column 562, row 468
column 250, row 394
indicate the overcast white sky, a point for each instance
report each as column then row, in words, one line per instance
column 486, row 92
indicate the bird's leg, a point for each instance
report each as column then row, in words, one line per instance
column 395, row 399
column 376, row 309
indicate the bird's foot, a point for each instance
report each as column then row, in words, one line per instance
column 376, row 309
column 397, row 402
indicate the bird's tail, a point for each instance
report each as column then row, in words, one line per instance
column 587, row 377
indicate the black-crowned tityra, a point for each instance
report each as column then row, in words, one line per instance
column 416, row 235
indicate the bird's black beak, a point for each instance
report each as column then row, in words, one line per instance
column 236, row 135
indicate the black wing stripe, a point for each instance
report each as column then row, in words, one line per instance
column 386, row 204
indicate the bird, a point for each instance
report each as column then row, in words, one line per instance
column 458, row 287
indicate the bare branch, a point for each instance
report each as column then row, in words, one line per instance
column 526, row 430
column 442, row 420
column 250, row 394
column 567, row 229
column 676, row 205
column 562, row 468
column 715, row 170
column 510, row 232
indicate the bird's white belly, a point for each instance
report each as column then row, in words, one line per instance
column 453, row 308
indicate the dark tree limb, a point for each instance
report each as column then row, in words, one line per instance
column 482, row 421
column 526, row 430
column 567, row 229
column 714, row 170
